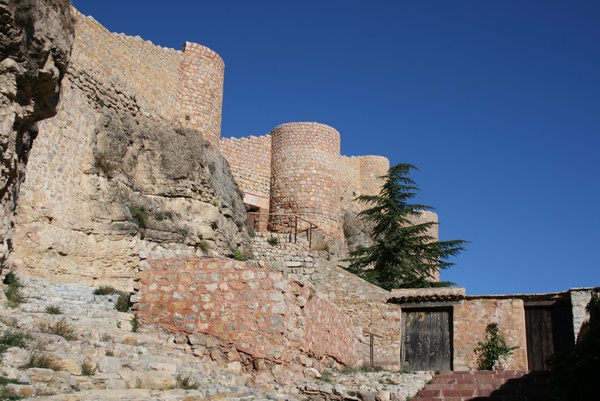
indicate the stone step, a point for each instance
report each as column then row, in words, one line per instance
column 489, row 385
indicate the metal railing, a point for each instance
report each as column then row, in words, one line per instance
column 289, row 224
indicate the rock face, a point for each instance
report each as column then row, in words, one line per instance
column 35, row 38
column 111, row 179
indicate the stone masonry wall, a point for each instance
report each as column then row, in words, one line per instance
column 471, row 318
column 304, row 174
column 367, row 305
column 201, row 91
column 579, row 300
column 250, row 161
column 263, row 313
column 152, row 72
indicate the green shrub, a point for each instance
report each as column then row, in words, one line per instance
column 494, row 348
column 11, row 338
column 326, row 376
column 61, row 328
column 13, row 293
column 239, row 255
column 53, row 310
column 273, row 241
column 140, row 215
column 106, row 290
column 122, row 304
column 204, row 246
column 42, row 360
column 87, row 368
column 186, row 382
column 135, row 324
column 9, row 395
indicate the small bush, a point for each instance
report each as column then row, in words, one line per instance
column 42, row 360
column 13, row 338
column 109, row 352
column 493, row 349
column 135, row 324
column 321, row 246
column 239, row 255
column 140, row 215
column 9, row 395
column 186, row 383
column 87, row 368
column 61, row 328
column 204, row 246
column 273, row 241
column 326, row 376
column 53, row 310
column 106, row 290
column 102, row 162
column 13, row 293
column 122, row 304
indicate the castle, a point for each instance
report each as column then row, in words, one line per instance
column 126, row 186
column 296, row 168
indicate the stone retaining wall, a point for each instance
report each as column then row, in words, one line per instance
column 367, row 305
column 261, row 312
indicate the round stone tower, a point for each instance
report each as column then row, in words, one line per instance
column 201, row 91
column 371, row 168
column 304, row 178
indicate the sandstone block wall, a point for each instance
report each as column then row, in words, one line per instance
column 250, row 161
column 367, row 306
column 151, row 72
column 264, row 313
column 200, row 95
column 471, row 318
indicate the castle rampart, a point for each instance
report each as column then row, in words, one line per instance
column 250, row 161
column 151, row 72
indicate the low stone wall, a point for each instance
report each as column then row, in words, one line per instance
column 263, row 313
column 471, row 318
column 282, row 255
column 367, row 305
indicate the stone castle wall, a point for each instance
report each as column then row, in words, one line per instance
column 264, row 313
column 250, row 161
column 471, row 318
column 151, row 72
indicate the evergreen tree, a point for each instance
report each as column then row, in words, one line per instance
column 403, row 255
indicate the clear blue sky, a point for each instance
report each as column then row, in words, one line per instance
column 496, row 102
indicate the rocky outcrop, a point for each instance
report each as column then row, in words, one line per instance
column 35, row 38
column 111, row 180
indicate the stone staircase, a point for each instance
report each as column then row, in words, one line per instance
column 489, row 385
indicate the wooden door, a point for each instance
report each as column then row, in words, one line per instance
column 549, row 330
column 426, row 339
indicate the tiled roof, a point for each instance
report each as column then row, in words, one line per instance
column 426, row 294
